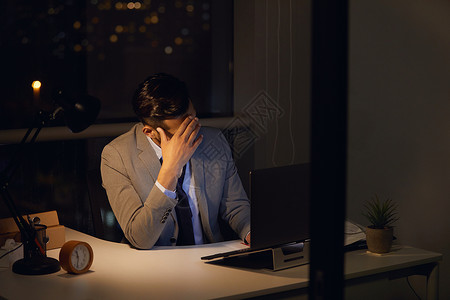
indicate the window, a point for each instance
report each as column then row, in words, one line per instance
column 106, row 48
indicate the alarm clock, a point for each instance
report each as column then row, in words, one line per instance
column 76, row 257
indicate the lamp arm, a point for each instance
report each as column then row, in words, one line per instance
column 27, row 231
column 24, row 228
column 79, row 116
column 40, row 120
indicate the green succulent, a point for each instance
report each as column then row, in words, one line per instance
column 381, row 214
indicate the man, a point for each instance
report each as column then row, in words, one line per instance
column 167, row 166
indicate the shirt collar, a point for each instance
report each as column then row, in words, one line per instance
column 155, row 147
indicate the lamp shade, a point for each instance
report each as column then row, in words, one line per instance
column 80, row 112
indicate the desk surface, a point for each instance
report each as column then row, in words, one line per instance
column 119, row 271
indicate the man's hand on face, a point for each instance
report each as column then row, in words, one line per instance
column 177, row 150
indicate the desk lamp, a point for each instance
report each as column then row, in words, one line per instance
column 79, row 114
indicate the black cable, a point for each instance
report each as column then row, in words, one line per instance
column 11, row 251
column 410, row 286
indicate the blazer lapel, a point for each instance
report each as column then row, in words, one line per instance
column 147, row 155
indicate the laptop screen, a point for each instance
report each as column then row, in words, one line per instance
column 279, row 205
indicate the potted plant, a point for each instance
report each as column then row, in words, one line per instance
column 380, row 232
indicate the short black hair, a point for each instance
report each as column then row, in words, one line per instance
column 160, row 97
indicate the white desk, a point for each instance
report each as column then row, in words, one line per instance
column 120, row 272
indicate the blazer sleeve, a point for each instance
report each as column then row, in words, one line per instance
column 142, row 221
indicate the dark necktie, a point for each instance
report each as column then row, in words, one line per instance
column 184, row 214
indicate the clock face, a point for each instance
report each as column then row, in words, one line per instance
column 76, row 257
column 80, row 257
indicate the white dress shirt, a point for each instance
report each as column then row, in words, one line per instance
column 189, row 189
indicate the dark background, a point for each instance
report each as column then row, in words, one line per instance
column 106, row 48
column 103, row 48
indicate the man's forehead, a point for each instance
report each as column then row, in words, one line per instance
column 173, row 124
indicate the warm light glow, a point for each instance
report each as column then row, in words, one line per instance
column 154, row 19
column 137, row 5
column 119, row 5
column 113, row 38
column 178, row 4
column 142, row 28
column 178, row 41
column 36, row 85
column 189, row 8
column 119, row 28
column 130, row 5
column 77, row 25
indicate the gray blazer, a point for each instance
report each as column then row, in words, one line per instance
column 130, row 167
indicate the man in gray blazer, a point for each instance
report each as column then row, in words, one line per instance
column 141, row 170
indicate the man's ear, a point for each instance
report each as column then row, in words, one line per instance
column 150, row 131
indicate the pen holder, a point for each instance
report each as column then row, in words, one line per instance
column 41, row 236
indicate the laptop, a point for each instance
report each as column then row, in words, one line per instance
column 279, row 202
